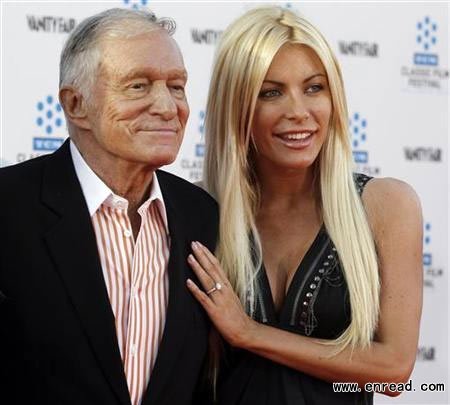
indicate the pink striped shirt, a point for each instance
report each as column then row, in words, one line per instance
column 135, row 271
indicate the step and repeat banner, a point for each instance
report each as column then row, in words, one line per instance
column 394, row 57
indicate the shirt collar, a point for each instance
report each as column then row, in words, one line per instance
column 96, row 192
column 94, row 189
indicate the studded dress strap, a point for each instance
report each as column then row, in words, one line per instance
column 361, row 180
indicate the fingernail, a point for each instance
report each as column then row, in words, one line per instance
column 189, row 281
column 190, row 257
column 194, row 245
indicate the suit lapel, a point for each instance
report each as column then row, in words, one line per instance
column 179, row 305
column 72, row 245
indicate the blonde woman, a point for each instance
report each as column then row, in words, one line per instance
column 318, row 275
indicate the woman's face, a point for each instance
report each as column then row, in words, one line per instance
column 293, row 111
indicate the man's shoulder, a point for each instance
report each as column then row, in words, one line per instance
column 184, row 189
column 21, row 186
column 196, row 211
column 22, row 173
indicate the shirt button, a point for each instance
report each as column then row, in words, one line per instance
column 133, row 350
column 133, row 293
column 127, row 233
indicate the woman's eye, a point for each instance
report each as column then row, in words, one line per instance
column 269, row 93
column 314, row 88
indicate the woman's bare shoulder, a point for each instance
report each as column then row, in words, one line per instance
column 390, row 193
column 390, row 201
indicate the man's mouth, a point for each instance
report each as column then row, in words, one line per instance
column 160, row 131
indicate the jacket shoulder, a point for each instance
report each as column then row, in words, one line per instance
column 186, row 190
column 24, row 173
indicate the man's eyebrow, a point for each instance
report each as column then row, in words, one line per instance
column 178, row 74
column 172, row 74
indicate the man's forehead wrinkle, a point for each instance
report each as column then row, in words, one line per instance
column 109, row 65
column 175, row 73
column 108, row 74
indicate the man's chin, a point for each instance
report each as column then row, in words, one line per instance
column 160, row 160
column 155, row 156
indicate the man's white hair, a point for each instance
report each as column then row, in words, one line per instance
column 81, row 54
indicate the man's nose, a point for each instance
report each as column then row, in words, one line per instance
column 162, row 102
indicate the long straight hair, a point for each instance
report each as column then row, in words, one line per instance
column 244, row 54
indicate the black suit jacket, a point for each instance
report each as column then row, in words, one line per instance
column 58, row 343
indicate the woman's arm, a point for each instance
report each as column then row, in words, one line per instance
column 394, row 214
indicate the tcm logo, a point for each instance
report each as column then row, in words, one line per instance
column 358, row 127
column 432, row 271
column 200, row 147
column 426, row 39
column 50, row 119
column 193, row 166
column 425, row 73
column 427, row 257
column 135, row 4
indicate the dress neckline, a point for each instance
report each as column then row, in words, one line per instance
column 300, row 277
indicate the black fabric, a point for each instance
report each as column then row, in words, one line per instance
column 58, row 343
column 316, row 305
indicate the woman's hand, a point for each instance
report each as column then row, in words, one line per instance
column 395, row 217
column 218, row 298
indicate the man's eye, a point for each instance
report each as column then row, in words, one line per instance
column 138, row 86
column 178, row 88
column 269, row 93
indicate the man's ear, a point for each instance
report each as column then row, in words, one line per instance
column 74, row 105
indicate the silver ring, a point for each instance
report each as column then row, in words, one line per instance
column 216, row 287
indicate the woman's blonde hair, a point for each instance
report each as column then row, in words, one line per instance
column 243, row 57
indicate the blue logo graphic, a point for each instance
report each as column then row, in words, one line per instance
column 427, row 258
column 358, row 126
column 201, row 125
column 426, row 38
column 135, row 4
column 50, row 119
column 200, row 150
column 200, row 147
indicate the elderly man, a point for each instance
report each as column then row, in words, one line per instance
column 94, row 308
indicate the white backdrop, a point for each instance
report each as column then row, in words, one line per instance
column 394, row 58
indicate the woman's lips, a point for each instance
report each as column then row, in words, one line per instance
column 296, row 140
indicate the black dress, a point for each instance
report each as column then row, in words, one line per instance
column 316, row 305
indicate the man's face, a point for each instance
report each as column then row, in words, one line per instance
column 138, row 108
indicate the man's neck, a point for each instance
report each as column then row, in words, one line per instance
column 129, row 180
